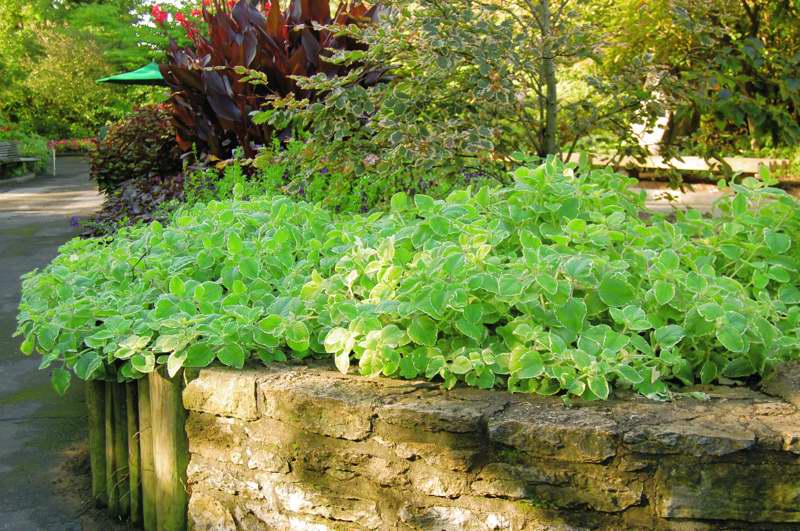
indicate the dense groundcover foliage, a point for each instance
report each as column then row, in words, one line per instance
column 558, row 283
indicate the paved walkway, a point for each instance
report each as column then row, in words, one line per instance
column 36, row 424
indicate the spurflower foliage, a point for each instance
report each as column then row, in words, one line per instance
column 557, row 284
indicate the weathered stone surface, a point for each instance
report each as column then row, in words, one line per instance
column 784, row 382
column 548, row 429
column 324, row 402
column 693, row 438
column 223, row 392
column 437, row 482
column 448, row 517
column 735, row 419
column 309, row 448
column 208, row 514
column 724, row 491
column 456, row 412
column 560, row 484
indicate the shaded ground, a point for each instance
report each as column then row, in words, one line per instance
column 42, row 463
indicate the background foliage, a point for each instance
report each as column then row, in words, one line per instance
column 51, row 53
column 469, row 89
column 728, row 70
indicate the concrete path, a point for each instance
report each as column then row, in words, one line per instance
column 35, row 423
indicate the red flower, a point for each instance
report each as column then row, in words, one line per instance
column 231, row 3
column 159, row 16
column 188, row 27
column 195, row 13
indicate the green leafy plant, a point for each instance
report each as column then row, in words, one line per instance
column 140, row 146
column 557, row 284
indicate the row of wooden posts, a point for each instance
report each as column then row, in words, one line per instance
column 138, row 450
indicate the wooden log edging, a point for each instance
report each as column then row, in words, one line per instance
column 95, row 405
column 120, row 475
column 138, row 450
column 112, row 499
column 134, row 470
column 170, row 449
column 149, row 518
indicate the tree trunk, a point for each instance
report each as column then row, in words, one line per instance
column 550, row 143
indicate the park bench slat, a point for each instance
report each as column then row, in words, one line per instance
column 9, row 153
column 745, row 165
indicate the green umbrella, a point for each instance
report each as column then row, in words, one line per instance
column 146, row 75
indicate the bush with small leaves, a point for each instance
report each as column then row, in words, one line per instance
column 140, row 146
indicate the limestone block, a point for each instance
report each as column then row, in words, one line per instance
column 561, row 485
column 548, row 429
column 289, row 447
column 208, row 514
column 729, row 491
column 224, row 392
column 784, row 382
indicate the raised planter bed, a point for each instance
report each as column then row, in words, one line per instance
column 307, row 448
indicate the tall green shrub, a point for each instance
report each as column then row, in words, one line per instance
column 728, row 70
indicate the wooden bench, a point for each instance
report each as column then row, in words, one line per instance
column 9, row 155
column 654, row 165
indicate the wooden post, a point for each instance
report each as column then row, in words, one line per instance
column 170, row 449
column 149, row 521
column 112, row 492
column 121, row 449
column 95, row 406
column 132, row 407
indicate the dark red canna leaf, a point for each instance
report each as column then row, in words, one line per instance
column 297, row 63
column 220, row 96
column 316, row 10
column 275, row 25
column 212, row 105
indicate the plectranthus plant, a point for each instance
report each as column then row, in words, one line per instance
column 561, row 283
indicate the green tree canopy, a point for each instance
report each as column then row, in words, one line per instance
column 51, row 53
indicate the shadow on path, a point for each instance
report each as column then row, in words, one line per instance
column 36, row 425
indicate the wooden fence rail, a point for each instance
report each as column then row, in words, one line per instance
column 138, row 450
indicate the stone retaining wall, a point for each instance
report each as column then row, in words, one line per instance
column 307, row 448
